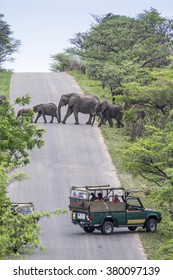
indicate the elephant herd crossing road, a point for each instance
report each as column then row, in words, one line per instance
column 78, row 103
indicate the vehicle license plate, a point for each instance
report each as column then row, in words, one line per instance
column 81, row 216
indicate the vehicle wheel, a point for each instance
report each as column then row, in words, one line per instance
column 89, row 229
column 151, row 225
column 132, row 228
column 107, row 228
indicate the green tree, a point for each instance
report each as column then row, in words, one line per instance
column 150, row 102
column 117, row 48
column 149, row 151
column 8, row 45
column 151, row 157
column 65, row 62
column 16, row 140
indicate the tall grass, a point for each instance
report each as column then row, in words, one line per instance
column 5, row 78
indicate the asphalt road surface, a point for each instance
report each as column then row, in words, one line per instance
column 72, row 155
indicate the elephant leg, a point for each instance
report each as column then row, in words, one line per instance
column 44, row 117
column 118, row 119
column 119, row 124
column 90, row 119
column 101, row 121
column 93, row 119
column 104, row 121
column 110, row 122
column 52, row 119
column 69, row 112
column 76, row 117
column 104, row 118
column 38, row 116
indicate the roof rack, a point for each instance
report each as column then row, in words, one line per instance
column 128, row 191
column 95, row 188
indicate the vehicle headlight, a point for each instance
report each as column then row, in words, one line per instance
column 73, row 215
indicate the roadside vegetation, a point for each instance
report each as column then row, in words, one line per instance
column 117, row 140
column 5, row 78
column 129, row 61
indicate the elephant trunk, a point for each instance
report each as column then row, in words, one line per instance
column 99, row 114
column 59, row 112
column 35, row 108
column 93, row 119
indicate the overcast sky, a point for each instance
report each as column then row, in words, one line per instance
column 44, row 27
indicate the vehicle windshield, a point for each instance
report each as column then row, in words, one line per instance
column 134, row 202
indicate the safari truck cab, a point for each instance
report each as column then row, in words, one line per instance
column 105, row 207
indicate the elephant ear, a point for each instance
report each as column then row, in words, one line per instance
column 37, row 108
column 97, row 108
column 73, row 100
column 104, row 106
column 64, row 99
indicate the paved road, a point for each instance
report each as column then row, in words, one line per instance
column 72, row 155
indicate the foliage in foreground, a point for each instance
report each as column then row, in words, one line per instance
column 19, row 233
column 17, row 139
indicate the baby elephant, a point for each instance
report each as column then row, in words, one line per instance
column 49, row 109
column 24, row 112
column 109, row 112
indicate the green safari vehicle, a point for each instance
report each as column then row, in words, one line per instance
column 105, row 207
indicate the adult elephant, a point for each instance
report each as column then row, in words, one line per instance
column 77, row 103
column 47, row 109
column 109, row 112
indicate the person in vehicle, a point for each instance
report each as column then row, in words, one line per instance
column 116, row 199
column 100, row 196
column 93, row 197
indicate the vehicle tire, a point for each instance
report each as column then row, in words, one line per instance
column 151, row 225
column 88, row 229
column 107, row 228
column 133, row 228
